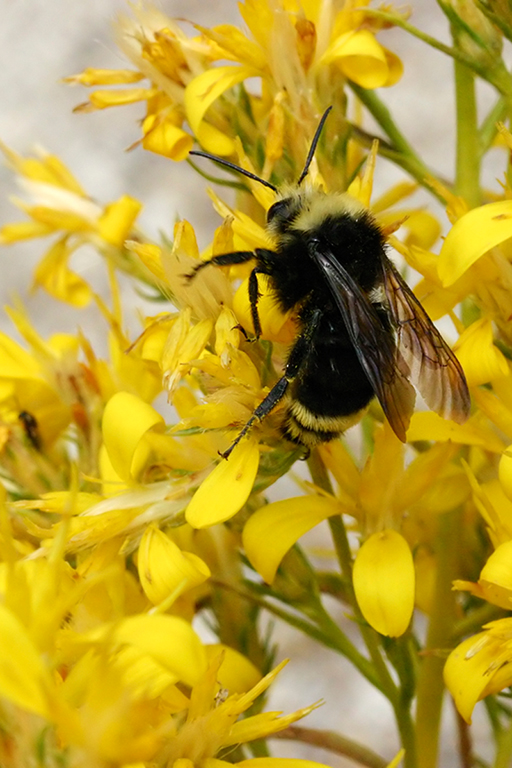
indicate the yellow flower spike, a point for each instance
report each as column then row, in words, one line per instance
column 23, row 678
column 481, row 360
column 92, row 76
column 466, row 672
column 363, row 60
column 471, row 236
column 236, row 673
column 384, row 582
column 164, row 569
column 169, row 640
column 275, row 326
column 206, row 88
column 273, row 529
column 53, row 274
column 226, row 489
column 126, row 420
column 117, row 219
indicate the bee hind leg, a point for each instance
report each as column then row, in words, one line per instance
column 271, row 400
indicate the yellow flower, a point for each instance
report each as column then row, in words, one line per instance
column 480, row 666
column 59, row 206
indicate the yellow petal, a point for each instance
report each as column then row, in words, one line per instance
column 361, row 59
column 426, row 425
column 164, row 569
column 214, row 141
column 397, row 759
column 116, row 97
column 150, row 255
column 236, row 673
column 92, row 76
column 126, row 419
column 206, row 88
column 23, row 678
column 165, row 138
column 384, row 582
column 116, row 221
column 466, row 672
column 169, row 640
column 227, row 488
column 471, row 236
column 263, row 724
column 53, row 274
column 23, row 230
column 284, row 762
column 496, row 577
column 481, row 360
column 273, row 529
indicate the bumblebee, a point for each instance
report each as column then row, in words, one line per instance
column 361, row 331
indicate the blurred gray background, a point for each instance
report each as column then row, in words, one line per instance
column 43, row 40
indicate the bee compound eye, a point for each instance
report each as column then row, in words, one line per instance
column 279, row 210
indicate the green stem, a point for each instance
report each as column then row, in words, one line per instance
column 327, row 633
column 504, row 753
column 333, row 742
column 344, row 555
column 467, row 175
column 474, row 621
column 401, row 152
column 488, row 129
column 400, row 700
column 497, row 75
column 430, row 682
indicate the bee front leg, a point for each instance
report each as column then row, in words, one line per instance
column 223, row 260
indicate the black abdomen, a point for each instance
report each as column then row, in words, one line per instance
column 330, row 390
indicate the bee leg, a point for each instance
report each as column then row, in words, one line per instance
column 263, row 409
column 299, row 353
column 223, row 260
column 254, row 295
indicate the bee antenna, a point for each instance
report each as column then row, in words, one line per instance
column 312, row 148
column 234, row 167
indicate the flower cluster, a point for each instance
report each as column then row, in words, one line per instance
column 113, row 547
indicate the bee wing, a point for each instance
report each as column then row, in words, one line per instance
column 374, row 344
column 434, row 370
